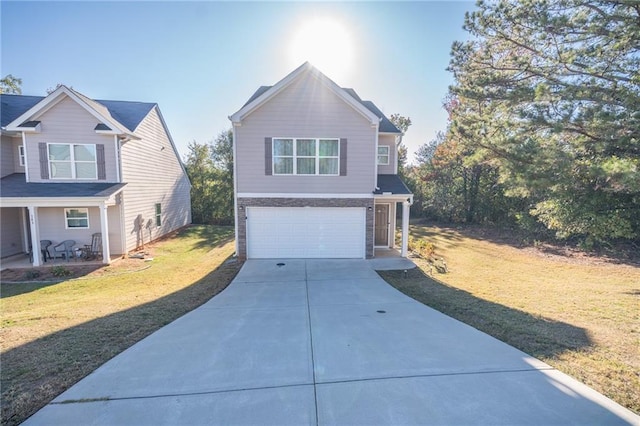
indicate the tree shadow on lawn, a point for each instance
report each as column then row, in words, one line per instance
column 211, row 236
column 36, row 372
column 537, row 336
column 454, row 234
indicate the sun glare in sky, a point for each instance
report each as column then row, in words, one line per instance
column 326, row 44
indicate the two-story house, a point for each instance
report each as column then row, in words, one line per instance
column 72, row 167
column 315, row 172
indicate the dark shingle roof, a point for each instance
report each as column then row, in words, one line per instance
column 13, row 106
column 385, row 126
column 392, row 184
column 15, row 185
column 129, row 114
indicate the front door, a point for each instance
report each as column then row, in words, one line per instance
column 381, row 221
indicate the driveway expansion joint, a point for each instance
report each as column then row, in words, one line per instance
column 171, row 395
column 413, row 376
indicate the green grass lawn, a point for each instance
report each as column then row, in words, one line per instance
column 579, row 314
column 55, row 334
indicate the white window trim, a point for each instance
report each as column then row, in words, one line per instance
column 385, row 155
column 295, row 157
column 66, row 219
column 21, row 157
column 72, row 161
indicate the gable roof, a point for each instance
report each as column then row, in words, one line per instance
column 116, row 115
column 265, row 93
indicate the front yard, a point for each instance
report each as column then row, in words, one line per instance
column 579, row 314
column 54, row 334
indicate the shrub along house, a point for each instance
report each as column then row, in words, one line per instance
column 73, row 167
column 315, row 172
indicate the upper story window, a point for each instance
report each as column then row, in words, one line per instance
column 383, row 155
column 306, row 156
column 71, row 161
column 21, row 154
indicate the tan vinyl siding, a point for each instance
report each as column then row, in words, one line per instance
column 10, row 226
column 305, row 109
column 388, row 140
column 153, row 175
column 68, row 122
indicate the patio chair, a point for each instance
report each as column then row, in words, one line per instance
column 44, row 249
column 94, row 251
column 65, row 249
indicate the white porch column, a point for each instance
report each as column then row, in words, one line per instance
column 405, row 228
column 35, row 235
column 104, row 228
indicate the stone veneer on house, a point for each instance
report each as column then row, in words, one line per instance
column 243, row 203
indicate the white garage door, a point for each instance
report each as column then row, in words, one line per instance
column 305, row 232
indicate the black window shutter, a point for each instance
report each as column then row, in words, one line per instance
column 268, row 156
column 343, row 156
column 102, row 169
column 44, row 160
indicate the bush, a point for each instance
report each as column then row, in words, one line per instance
column 60, row 271
column 421, row 247
column 31, row 274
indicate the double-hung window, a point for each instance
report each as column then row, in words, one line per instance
column 76, row 218
column 306, row 156
column 72, row 161
column 158, row 214
column 383, row 155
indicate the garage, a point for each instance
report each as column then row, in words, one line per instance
column 305, row 232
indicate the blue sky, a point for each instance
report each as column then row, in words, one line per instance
column 200, row 61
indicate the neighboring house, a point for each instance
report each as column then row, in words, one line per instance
column 73, row 166
column 315, row 172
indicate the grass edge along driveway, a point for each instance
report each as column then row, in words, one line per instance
column 579, row 315
column 53, row 335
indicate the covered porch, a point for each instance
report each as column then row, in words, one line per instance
column 82, row 213
column 391, row 195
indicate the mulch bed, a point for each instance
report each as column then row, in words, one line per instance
column 76, row 269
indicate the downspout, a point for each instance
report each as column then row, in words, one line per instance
column 235, row 184
column 26, row 160
column 398, row 142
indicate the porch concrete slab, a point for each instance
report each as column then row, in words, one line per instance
column 391, row 263
column 266, row 270
column 209, row 350
column 291, row 405
column 378, row 340
column 506, row 398
column 270, row 294
column 331, row 269
column 352, row 291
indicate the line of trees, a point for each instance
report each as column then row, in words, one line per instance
column 210, row 169
column 544, row 122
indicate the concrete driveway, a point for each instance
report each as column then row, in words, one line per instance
column 324, row 342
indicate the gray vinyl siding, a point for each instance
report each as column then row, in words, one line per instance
column 305, row 109
column 11, row 231
column 9, row 161
column 153, row 174
column 53, row 227
column 388, row 140
column 68, row 122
